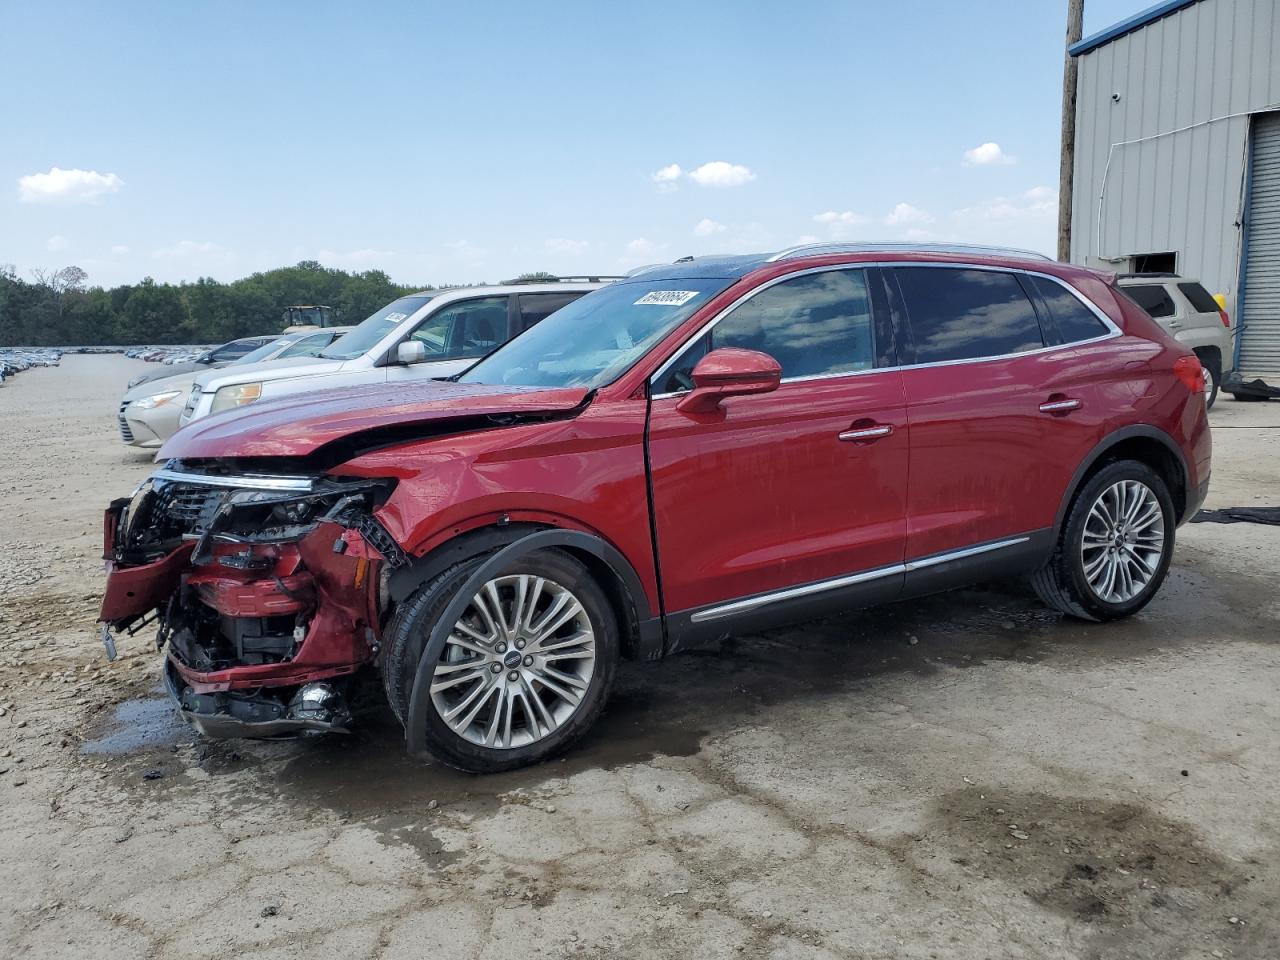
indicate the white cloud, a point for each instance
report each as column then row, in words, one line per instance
column 67, row 186
column 667, row 174
column 905, row 214
column 186, row 249
column 707, row 227
column 119, row 250
column 987, row 154
column 1038, row 203
column 641, row 251
column 848, row 218
column 561, row 245
column 57, row 242
column 720, row 173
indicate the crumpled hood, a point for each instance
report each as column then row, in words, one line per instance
column 297, row 425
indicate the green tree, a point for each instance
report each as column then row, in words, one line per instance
column 154, row 313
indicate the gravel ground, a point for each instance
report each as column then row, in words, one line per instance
column 966, row 776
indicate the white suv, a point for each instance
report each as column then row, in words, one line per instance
column 1187, row 310
column 419, row 337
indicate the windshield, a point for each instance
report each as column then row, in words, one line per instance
column 364, row 336
column 594, row 340
column 264, row 352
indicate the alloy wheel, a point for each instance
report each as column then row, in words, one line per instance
column 1124, row 541
column 517, row 664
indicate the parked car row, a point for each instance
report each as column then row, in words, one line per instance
column 13, row 360
column 149, row 412
column 490, row 501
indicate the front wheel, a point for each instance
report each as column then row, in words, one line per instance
column 1115, row 546
column 523, row 672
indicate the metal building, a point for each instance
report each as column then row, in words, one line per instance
column 1177, row 164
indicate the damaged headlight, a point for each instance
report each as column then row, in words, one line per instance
column 135, row 508
column 280, row 515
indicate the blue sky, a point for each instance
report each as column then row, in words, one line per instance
column 456, row 143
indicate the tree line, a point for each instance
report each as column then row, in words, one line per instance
column 59, row 308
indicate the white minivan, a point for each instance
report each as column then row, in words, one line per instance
column 419, row 337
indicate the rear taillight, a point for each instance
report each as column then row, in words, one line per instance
column 1189, row 371
column 1226, row 321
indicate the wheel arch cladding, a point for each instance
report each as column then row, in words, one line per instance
column 1145, row 444
column 639, row 626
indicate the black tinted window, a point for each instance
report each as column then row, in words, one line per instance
column 535, row 307
column 813, row 325
column 967, row 314
column 1154, row 299
column 234, row 350
column 1198, row 297
column 1075, row 321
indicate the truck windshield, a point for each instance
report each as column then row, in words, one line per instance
column 595, row 339
column 366, row 335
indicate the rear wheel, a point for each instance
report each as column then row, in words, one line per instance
column 1212, row 368
column 523, row 672
column 1115, row 546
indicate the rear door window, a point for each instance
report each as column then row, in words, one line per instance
column 1075, row 321
column 1199, row 298
column 961, row 314
column 814, row 325
column 536, row 307
column 1151, row 297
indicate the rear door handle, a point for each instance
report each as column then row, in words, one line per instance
column 867, row 433
column 1065, row 405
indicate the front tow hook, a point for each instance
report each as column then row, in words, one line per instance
column 109, row 642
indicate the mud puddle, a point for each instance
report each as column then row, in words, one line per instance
column 137, row 725
column 1138, row 884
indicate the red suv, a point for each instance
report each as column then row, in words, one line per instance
column 713, row 446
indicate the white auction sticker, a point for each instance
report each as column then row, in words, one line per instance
column 667, row 298
column 397, row 317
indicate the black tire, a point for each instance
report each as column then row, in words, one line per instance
column 1062, row 582
column 1212, row 366
column 406, row 648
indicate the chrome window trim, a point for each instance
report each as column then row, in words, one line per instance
column 1112, row 330
column 822, row 586
column 245, row 482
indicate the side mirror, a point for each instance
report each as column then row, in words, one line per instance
column 410, row 352
column 205, row 358
column 729, row 372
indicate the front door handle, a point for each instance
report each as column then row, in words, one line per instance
column 864, row 434
column 1065, row 405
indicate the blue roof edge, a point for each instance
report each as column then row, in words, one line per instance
column 1137, row 21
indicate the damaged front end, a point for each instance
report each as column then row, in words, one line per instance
column 265, row 590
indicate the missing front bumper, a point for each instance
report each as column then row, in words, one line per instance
column 314, row 708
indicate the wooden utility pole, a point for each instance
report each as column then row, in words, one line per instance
column 1066, row 176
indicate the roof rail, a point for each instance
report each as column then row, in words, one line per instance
column 597, row 278
column 818, row 249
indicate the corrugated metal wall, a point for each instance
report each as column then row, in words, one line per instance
column 1176, row 169
column 1260, row 335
